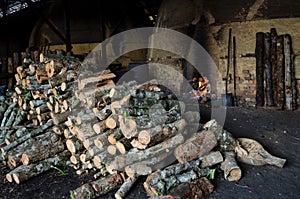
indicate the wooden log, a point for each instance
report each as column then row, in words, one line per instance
column 294, row 85
column 85, row 131
column 252, row 152
column 3, row 109
column 7, row 113
column 31, row 134
column 42, row 149
column 125, row 188
column 214, row 157
column 99, row 187
column 26, row 172
column 198, row 145
column 11, row 118
column 162, row 181
column 111, row 149
column 274, row 65
column 121, row 161
column 232, row 171
column 67, row 76
column 268, row 70
column 115, row 136
column 93, row 80
column 42, row 109
column 73, row 145
column 199, row 188
column 226, row 142
column 128, row 127
column 146, row 167
column 259, row 53
column 53, row 68
column 280, row 63
column 136, row 144
column 123, row 145
column 287, row 73
column 60, row 118
column 105, row 88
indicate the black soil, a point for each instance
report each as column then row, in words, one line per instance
column 278, row 131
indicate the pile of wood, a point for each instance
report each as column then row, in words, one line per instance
column 276, row 84
column 57, row 117
column 29, row 137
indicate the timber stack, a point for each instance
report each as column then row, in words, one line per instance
column 56, row 117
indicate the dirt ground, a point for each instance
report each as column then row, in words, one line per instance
column 278, row 131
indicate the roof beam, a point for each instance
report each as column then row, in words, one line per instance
column 254, row 9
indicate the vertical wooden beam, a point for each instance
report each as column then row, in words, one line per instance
column 268, row 70
column 234, row 70
column 259, row 53
column 287, row 71
column 280, row 72
column 274, row 64
column 228, row 60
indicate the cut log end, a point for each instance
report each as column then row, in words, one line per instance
column 9, row 177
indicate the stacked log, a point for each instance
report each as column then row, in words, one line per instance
column 30, row 138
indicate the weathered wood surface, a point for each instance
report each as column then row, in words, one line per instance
column 232, row 171
column 99, row 187
column 252, row 152
column 259, row 53
column 287, row 73
column 198, row 145
column 268, row 70
column 26, row 172
column 124, row 189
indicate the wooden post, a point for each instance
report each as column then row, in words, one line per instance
column 287, row 71
column 294, row 86
column 268, row 70
column 234, row 71
column 280, row 71
column 259, row 53
column 228, row 60
column 274, row 65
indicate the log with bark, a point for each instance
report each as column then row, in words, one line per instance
column 99, row 187
column 259, row 53
column 232, row 171
column 198, row 145
column 133, row 156
column 161, row 182
column 26, row 172
column 126, row 186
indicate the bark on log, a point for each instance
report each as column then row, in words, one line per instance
column 31, row 134
column 67, row 76
column 232, row 171
column 25, row 172
column 60, row 118
column 7, row 113
column 251, row 152
column 125, row 188
column 259, row 53
column 211, row 159
column 134, row 156
column 268, row 70
column 42, row 149
column 274, row 64
column 99, row 187
column 93, row 80
column 199, row 188
column 280, row 80
column 287, row 74
column 226, row 142
column 198, row 145
column 162, row 181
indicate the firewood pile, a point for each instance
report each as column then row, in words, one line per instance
column 57, row 117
